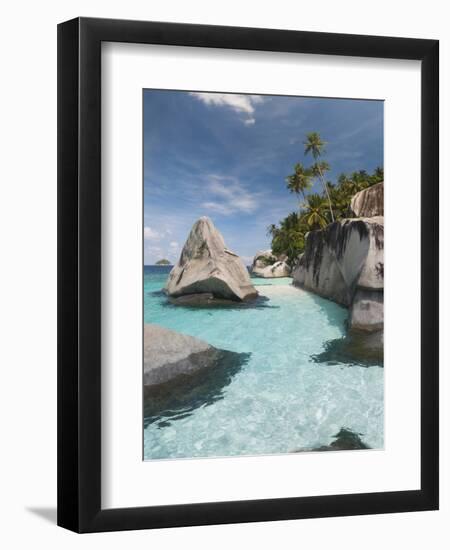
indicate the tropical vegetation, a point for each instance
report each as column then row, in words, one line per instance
column 316, row 210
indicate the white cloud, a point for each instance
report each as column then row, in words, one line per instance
column 217, row 207
column 174, row 244
column 151, row 235
column 234, row 197
column 154, row 249
column 244, row 203
column 239, row 103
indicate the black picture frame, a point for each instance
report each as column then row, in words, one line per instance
column 79, row 274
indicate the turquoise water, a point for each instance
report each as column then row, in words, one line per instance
column 279, row 400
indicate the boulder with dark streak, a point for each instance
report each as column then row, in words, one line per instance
column 345, row 263
column 206, row 266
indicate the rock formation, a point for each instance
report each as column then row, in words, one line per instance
column 206, row 266
column 344, row 262
column 182, row 373
column 267, row 265
column 168, row 355
column 369, row 202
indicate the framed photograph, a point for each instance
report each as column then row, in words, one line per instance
column 228, row 349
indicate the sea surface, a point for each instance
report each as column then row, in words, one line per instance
column 277, row 397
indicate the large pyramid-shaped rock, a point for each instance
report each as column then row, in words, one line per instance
column 207, row 270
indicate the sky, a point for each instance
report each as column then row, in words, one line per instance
column 226, row 156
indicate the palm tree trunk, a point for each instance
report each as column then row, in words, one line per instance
column 326, row 191
column 304, row 202
column 299, row 205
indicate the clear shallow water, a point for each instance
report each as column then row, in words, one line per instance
column 279, row 400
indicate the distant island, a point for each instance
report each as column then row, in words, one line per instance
column 163, row 262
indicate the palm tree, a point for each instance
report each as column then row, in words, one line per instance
column 295, row 244
column 378, row 174
column 349, row 186
column 299, row 181
column 271, row 230
column 315, row 146
column 314, row 215
column 341, row 196
column 289, row 237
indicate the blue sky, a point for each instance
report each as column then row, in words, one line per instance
column 226, row 156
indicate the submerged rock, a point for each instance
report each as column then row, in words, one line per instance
column 361, row 348
column 369, row 202
column 181, row 396
column 345, row 440
column 344, row 262
column 202, row 299
column 206, row 266
column 267, row 265
column 169, row 356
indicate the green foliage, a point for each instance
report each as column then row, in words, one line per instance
column 315, row 213
column 163, row 262
column 314, row 144
column 300, row 181
column 318, row 169
column 289, row 237
column 317, row 210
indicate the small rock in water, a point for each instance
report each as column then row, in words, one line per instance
column 267, row 265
